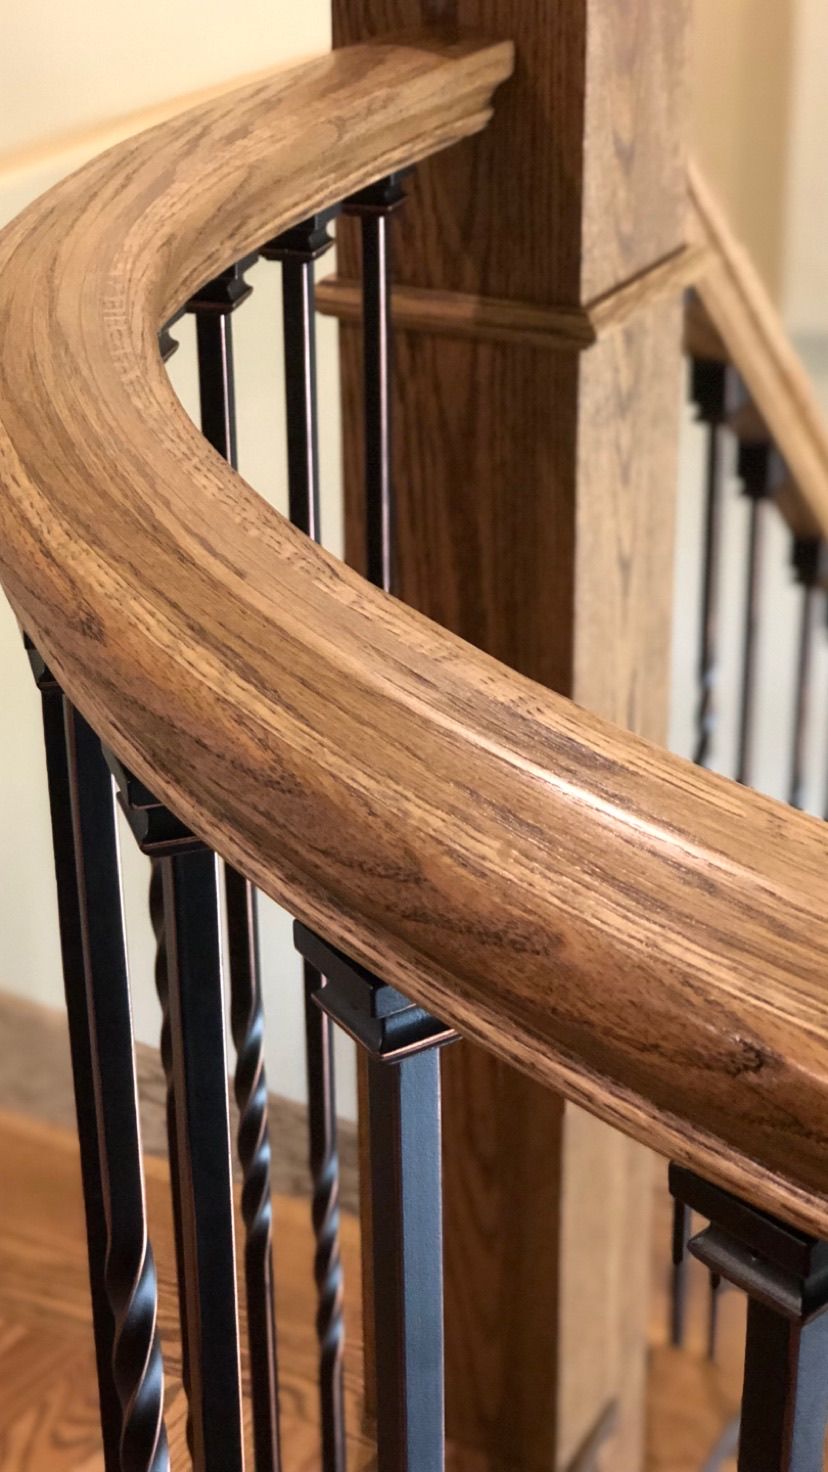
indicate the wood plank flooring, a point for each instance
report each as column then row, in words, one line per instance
column 48, row 1414
column 48, row 1411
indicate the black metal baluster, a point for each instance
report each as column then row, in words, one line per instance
column 200, row 1155
column 785, row 1275
column 200, row 1071
column 130, row 1269
column 403, row 1089
column 162, row 987
column 678, row 1274
column 297, row 250
column 247, row 1026
column 375, row 205
column 213, row 307
column 825, row 798
column 807, row 562
column 77, row 1009
column 324, row 1167
column 756, row 460
column 167, row 344
column 712, row 388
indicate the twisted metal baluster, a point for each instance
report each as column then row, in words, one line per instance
column 297, row 250
column 247, row 1027
column 213, row 308
column 77, row 1013
column 162, row 987
column 136, row 1361
column 130, row 1277
column 324, row 1166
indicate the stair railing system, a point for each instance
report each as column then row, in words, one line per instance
column 757, row 404
column 464, row 851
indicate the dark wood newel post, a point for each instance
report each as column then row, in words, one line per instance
column 534, row 465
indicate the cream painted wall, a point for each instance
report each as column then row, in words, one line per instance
column 805, row 207
column 742, row 78
column 760, row 118
column 69, row 69
column 74, row 79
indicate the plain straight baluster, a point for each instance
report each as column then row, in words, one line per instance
column 756, row 461
column 807, row 561
column 375, row 206
column 213, row 307
column 401, row 1042
column 297, row 250
column 200, row 1072
column 200, row 1152
column 713, row 388
column 130, row 1270
column 70, row 922
column 784, row 1272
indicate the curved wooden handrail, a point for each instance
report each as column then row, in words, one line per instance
column 732, row 316
column 648, row 938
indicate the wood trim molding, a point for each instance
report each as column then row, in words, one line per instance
column 646, row 938
column 489, row 319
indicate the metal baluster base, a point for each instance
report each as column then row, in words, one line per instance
column 401, row 1040
column 784, row 1272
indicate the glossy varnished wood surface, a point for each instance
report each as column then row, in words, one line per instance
column 534, row 518
column 649, row 939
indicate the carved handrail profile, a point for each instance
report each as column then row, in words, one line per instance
column 647, row 938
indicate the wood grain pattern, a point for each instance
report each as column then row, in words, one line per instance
column 48, row 1412
column 648, row 939
column 739, row 318
column 533, row 499
column 558, row 328
column 560, row 138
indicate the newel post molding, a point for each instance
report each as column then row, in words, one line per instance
column 539, row 270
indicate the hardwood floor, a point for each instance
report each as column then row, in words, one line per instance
column 48, row 1411
column 691, row 1401
column 48, row 1414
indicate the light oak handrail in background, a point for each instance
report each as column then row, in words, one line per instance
column 731, row 315
column 650, row 939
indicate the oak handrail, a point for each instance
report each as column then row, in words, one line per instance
column 733, row 302
column 648, row 938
